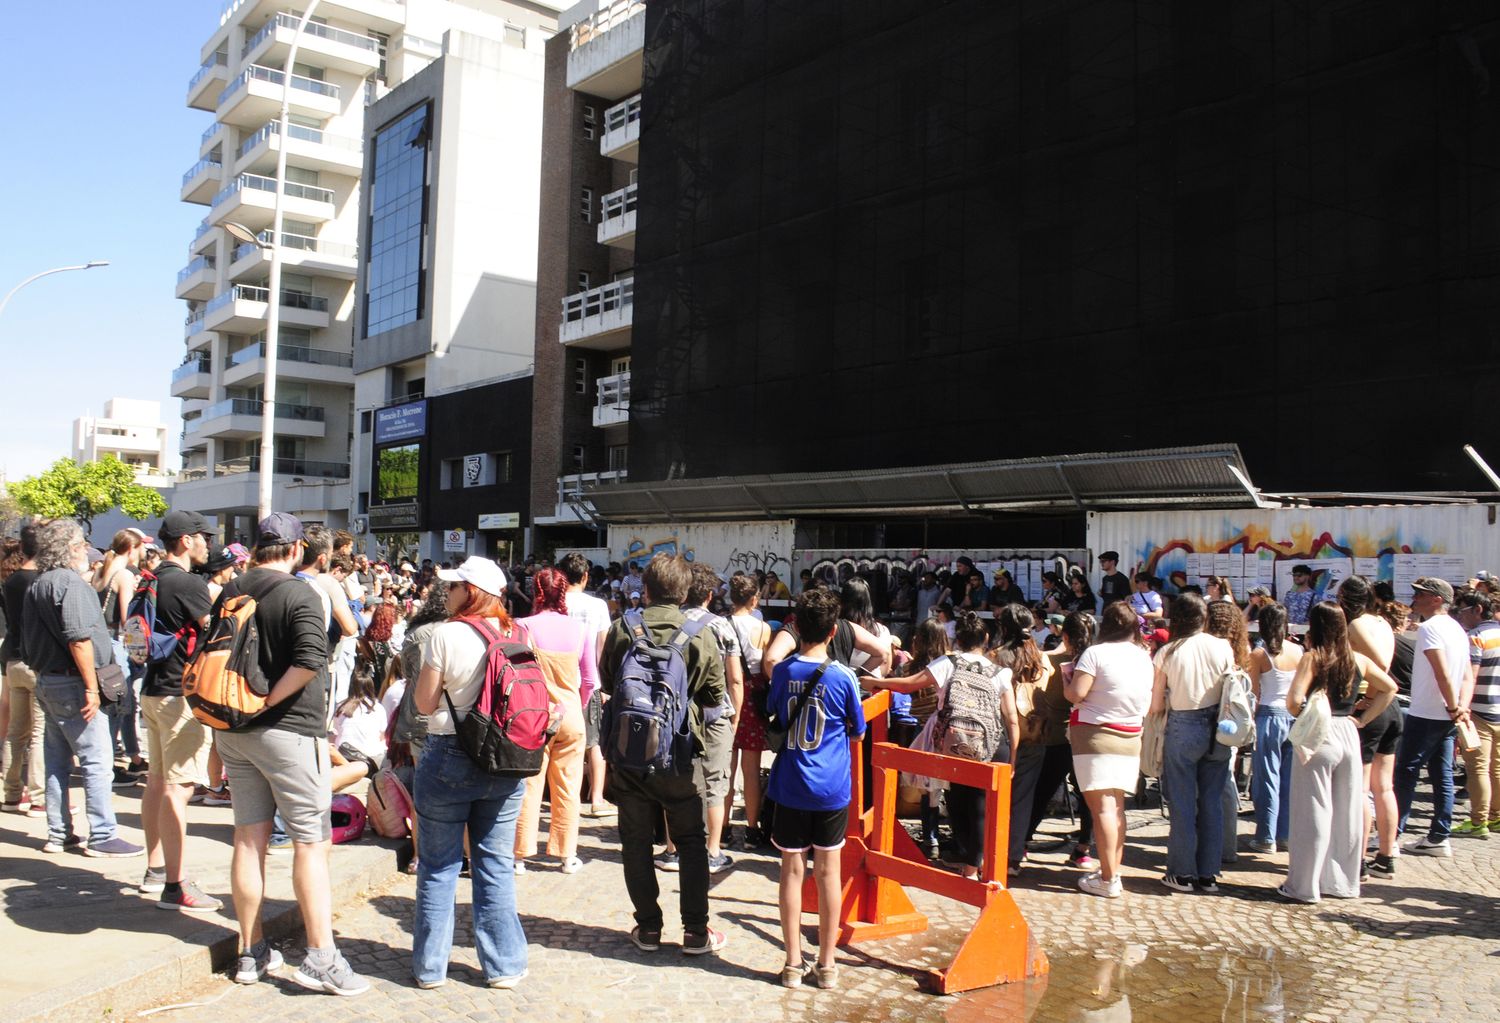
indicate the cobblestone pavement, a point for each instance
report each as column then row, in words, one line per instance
column 1420, row 946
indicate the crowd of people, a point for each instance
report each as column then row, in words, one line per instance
column 371, row 667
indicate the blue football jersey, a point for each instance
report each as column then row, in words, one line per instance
column 813, row 771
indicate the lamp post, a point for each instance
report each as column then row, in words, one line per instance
column 55, row 270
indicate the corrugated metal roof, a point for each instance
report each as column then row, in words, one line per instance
column 1100, row 480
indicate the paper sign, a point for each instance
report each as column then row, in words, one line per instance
column 1367, row 567
column 1455, row 569
column 1404, row 572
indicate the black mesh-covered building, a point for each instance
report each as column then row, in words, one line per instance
column 901, row 232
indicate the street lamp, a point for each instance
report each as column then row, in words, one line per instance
column 55, row 270
column 273, row 286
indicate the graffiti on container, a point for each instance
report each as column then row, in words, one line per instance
column 638, row 552
column 755, row 561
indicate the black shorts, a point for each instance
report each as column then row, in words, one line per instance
column 1383, row 735
column 593, row 719
column 800, row 830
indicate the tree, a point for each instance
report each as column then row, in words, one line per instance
column 84, row 492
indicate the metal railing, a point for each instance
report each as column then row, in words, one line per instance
column 299, row 242
column 292, row 21
column 251, row 407
column 616, row 204
column 607, row 298
column 193, row 322
column 612, row 392
column 191, row 366
column 210, row 132
column 299, row 131
column 603, row 20
column 197, row 264
column 283, row 467
column 192, row 474
column 257, row 293
column 198, row 168
column 275, row 77
column 216, row 61
column 293, row 353
column 261, row 183
column 203, row 228
column 623, row 115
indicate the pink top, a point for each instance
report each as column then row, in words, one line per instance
column 561, row 636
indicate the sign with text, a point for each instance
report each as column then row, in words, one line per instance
column 453, row 540
column 394, row 516
column 401, row 422
column 500, row 520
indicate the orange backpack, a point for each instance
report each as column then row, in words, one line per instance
column 223, row 681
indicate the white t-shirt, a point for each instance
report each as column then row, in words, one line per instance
column 456, row 650
column 590, row 612
column 942, row 669
column 391, row 701
column 858, row 659
column 1193, row 667
column 1438, row 633
column 364, row 729
column 1121, row 693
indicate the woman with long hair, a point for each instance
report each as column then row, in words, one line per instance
column 1195, row 766
column 929, row 641
column 566, row 652
column 115, row 580
column 1109, row 686
column 1370, row 634
column 1218, row 590
column 754, row 636
column 1327, row 826
column 1272, row 667
column 452, row 794
column 1080, row 596
column 375, row 644
column 1227, row 621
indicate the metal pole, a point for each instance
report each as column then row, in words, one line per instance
column 1484, row 466
column 273, row 312
column 55, row 270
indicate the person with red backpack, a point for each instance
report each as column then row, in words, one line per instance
column 465, row 660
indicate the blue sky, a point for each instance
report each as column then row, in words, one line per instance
column 98, row 137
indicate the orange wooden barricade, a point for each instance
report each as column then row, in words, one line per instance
column 879, row 858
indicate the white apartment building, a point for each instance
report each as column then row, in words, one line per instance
column 133, row 432
column 352, row 53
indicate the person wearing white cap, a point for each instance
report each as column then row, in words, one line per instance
column 453, row 794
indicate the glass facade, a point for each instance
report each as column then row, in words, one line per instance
column 398, row 223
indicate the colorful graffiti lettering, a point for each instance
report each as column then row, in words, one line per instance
column 638, row 552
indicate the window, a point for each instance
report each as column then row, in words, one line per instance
column 583, row 280
column 586, row 205
column 398, row 223
column 619, row 458
column 366, row 418
column 580, row 376
column 364, row 502
column 578, row 456
column 590, row 121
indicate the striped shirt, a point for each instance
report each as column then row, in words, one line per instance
column 1484, row 652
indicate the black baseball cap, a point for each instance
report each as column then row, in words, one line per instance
column 1301, row 570
column 219, row 559
column 966, row 561
column 278, row 528
column 183, row 523
column 1110, row 556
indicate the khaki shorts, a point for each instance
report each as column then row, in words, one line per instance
column 273, row 771
column 711, row 771
column 177, row 744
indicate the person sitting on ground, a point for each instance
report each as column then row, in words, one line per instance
column 356, row 742
column 818, row 701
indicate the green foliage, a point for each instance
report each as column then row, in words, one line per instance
column 84, row 492
column 397, row 475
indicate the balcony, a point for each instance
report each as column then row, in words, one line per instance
column 617, row 224
column 194, row 331
column 599, row 319
column 622, row 131
column 197, row 280
column 203, row 238
column 381, row 15
column 604, row 56
column 284, row 467
column 254, row 97
column 201, row 181
column 311, row 148
column 250, row 199
column 329, row 46
column 299, row 253
column 247, row 366
column 612, row 400
column 208, row 81
column 242, row 310
column 572, row 506
column 305, row 488
column 211, row 138
column 240, row 418
column 193, row 378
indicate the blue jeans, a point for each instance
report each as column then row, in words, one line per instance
column 1271, row 773
column 452, row 794
column 1429, row 742
column 1194, row 774
column 122, row 714
column 67, row 735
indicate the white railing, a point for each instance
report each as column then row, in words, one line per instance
column 570, row 488
column 616, row 295
column 603, row 20
column 292, row 21
column 298, row 131
column 261, row 183
column 299, row 242
column 275, row 77
column 612, row 399
column 623, row 115
column 616, row 204
column 199, row 168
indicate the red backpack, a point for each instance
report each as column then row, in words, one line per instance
column 505, row 733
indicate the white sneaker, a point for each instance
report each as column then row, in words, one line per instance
column 1094, row 884
column 520, row 866
column 572, row 865
column 1425, row 846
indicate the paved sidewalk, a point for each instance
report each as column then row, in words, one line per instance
column 1419, row 947
column 80, row 941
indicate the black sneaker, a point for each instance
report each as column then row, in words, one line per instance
column 1178, row 884
column 1207, row 885
column 124, row 779
column 646, row 941
column 1383, row 866
column 668, row 861
column 721, row 862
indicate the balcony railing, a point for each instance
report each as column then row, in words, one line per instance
column 300, row 242
column 603, row 20
column 256, row 293
column 292, row 21
column 261, row 183
column 612, row 400
column 298, row 131
column 202, row 229
column 284, row 467
column 293, row 353
column 217, row 60
column 193, row 364
column 209, row 132
column 622, row 115
column 617, row 204
column 275, row 77
column 197, row 264
column 251, row 407
column 193, row 323
column 193, row 474
column 608, row 298
column 199, row 168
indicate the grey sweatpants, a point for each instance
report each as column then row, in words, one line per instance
column 1327, row 835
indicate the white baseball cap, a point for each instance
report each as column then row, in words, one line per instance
column 481, row 573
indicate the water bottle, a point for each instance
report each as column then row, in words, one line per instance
column 1226, row 727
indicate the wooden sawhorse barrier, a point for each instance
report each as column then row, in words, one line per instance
column 879, row 859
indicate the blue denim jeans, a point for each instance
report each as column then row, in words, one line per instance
column 1271, row 773
column 122, row 714
column 1194, row 774
column 1425, row 741
column 67, row 735
column 452, row 794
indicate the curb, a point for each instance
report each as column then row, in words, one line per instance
column 204, row 952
